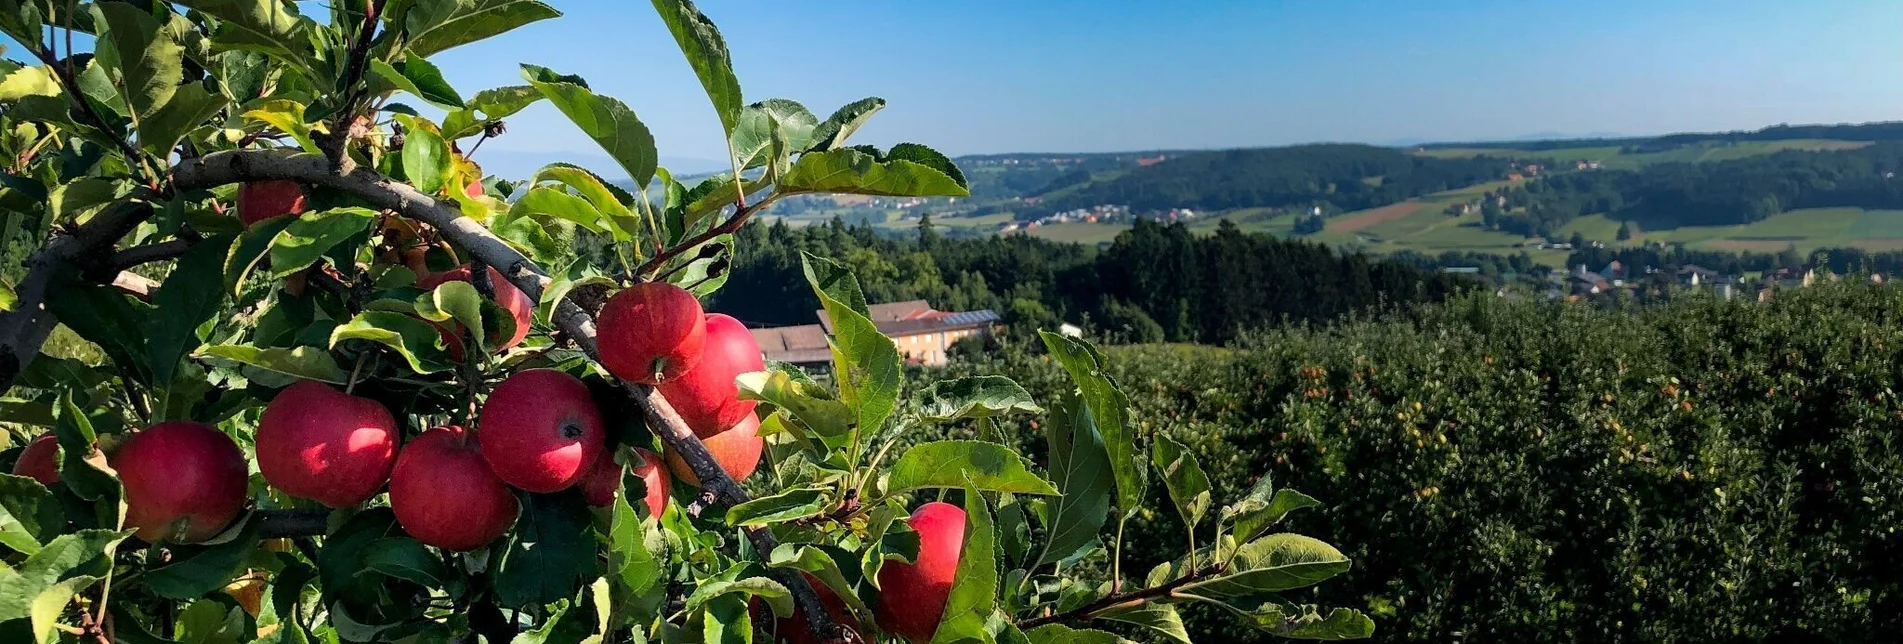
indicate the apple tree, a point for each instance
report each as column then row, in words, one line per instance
column 314, row 377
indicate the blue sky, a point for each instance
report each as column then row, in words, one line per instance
column 977, row 76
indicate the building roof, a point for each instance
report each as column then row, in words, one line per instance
column 803, row 344
column 937, row 323
column 889, row 312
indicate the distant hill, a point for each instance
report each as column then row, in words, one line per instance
column 1878, row 131
column 1341, row 176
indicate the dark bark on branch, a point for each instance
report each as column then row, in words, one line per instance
column 221, row 168
column 24, row 329
column 148, row 253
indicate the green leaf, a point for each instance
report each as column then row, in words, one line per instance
column 1289, row 620
column 1061, row 634
column 869, row 373
column 313, row 234
column 78, row 558
column 306, row 363
column 1272, row 564
column 634, row 568
column 832, row 132
column 421, row 79
column 559, row 287
column 726, row 620
column 974, row 591
column 209, row 621
column 611, row 123
column 1262, row 508
column 1109, row 412
column 817, row 564
column 973, row 397
column 51, row 603
column 29, row 515
column 192, row 106
column 404, row 558
column 985, row 466
column 458, row 301
column 188, row 297
column 426, row 156
column 286, row 116
column 553, row 202
column 742, row 579
column 270, row 27
column 1188, row 486
column 78, row 200
column 150, row 60
column 419, row 343
column 854, row 171
column 1161, row 619
column 81, row 465
column 467, row 21
column 784, row 506
column 195, row 571
column 498, row 103
column 611, row 201
column 29, row 81
column 252, row 245
column 770, row 132
column 810, row 403
column 706, row 51
column 341, row 561
column 1082, row 471
column 550, row 554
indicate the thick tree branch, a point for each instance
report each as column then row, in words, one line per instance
column 221, row 168
column 148, row 253
column 24, row 329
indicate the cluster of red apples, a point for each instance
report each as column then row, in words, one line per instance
column 538, row 431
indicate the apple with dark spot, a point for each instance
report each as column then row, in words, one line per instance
column 541, row 431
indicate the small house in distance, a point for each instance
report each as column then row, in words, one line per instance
column 924, row 335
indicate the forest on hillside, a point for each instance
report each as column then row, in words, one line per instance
column 1156, row 282
column 1716, row 193
column 1336, row 176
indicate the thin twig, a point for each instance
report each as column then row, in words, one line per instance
column 732, row 224
column 1118, row 600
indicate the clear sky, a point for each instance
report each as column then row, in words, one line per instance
column 978, row 76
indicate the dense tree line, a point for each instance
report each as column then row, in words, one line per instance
column 1156, row 282
column 1343, row 176
column 1520, row 471
column 1881, row 131
column 1739, row 191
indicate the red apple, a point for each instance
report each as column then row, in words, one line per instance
column 541, row 431
column 796, row 629
column 706, row 396
column 184, row 481
column 321, row 444
column 651, row 332
column 261, row 200
column 912, row 596
column 473, row 189
column 40, row 460
column 444, row 495
column 602, row 484
column 507, row 295
column 737, row 450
